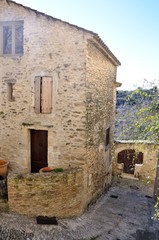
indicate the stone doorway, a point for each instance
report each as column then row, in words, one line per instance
column 129, row 158
column 39, row 149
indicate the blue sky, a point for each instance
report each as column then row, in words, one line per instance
column 130, row 28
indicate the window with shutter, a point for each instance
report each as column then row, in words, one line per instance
column 43, row 94
column 37, row 94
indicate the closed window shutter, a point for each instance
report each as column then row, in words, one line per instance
column 37, row 100
column 46, row 95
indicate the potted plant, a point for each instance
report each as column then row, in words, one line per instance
column 3, row 168
column 46, row 169
column 50, row 169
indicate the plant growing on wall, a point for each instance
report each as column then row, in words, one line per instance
column 156, row 215
column 140, row 113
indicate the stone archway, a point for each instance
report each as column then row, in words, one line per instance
column 129, row 158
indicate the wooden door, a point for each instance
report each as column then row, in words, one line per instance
column 129, row 161
column 129, row 158
column 39, row 148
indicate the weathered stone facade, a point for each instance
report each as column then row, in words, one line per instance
column 146, row 170
column 48, row 194
column 100, row 116
column 83, row 70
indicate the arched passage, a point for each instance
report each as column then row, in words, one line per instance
column 129, row 158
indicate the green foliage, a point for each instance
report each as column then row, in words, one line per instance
column 140, row 116
column 58, row 170
column 156, row 215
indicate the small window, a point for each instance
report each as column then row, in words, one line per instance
column 43, row 94
column 107, row 142
column 11, row 38
column 11, row 92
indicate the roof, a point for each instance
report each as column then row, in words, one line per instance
column 96, row 36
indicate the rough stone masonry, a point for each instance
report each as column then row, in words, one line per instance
column 75, row 104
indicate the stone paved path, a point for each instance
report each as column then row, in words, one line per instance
column 124, row 213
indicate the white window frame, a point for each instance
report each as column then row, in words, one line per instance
column 12, row 24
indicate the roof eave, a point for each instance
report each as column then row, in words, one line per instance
column 117, row 84
column 100, row 41
column 107, row 50
column 49, row 16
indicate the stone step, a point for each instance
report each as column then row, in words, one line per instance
column 129, row 176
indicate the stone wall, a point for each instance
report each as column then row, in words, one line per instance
column 83, row 103
column 51, row 48
column 3, row 188
column 79, row 70
column 47, row 194
column 150, row 151
column 100, row 78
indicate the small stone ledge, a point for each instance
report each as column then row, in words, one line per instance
column 20, row 176
column 135, row 142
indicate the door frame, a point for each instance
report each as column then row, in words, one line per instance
column 51, row 155
column 129, row 164
column 39, row 149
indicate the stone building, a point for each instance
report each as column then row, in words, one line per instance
column 136, row 158
column 57, row 96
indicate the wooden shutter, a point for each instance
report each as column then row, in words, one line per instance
column 37, row 83
column 46, row 95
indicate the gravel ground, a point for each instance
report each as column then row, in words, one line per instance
column 124, row 213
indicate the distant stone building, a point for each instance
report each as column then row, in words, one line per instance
column 136, row 158
column 57, row 97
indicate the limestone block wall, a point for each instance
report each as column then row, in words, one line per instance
column 100, row 78
column 47, row 194
column 83, row 103
column 51, row 48
column 150, row 151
